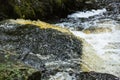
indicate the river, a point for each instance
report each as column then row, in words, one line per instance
column 102, row 32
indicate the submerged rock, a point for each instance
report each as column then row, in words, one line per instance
column 97, row 30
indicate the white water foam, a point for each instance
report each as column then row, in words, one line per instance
column 62, row 76
column 87, row 14
column 76, row 20
column 103, row 35
column 106, row 45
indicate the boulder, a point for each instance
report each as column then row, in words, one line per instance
column 41, row 45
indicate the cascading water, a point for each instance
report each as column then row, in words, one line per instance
column 101, row 29
column 106, row 42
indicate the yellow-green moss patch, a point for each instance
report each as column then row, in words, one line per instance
column 41, row 25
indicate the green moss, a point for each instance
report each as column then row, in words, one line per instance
column 59, row 3
column 10, row 71
column 27, row 10
column 56, row 3
column 18, row 11
column 23, row 9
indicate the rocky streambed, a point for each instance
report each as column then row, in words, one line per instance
column 53, row 53
column 34, row 50
column 101, row 29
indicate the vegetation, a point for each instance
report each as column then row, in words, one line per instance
column 10, row 71
column 40, row 9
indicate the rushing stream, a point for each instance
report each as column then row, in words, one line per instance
column 102, row 32
column 87, row 47
column 106, row 42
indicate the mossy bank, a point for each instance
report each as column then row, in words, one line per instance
column 41, row 9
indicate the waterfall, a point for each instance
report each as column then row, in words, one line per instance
column 102, row 32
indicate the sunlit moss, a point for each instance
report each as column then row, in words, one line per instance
column 41, row 25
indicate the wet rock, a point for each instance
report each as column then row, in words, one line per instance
column 78, row 76
column 112, row 6
column 96, row 76
column 41, row 46
column 35, row 76
column 42, row 9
